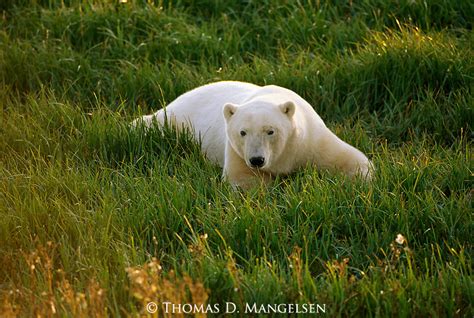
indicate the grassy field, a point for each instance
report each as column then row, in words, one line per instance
column 98, row 220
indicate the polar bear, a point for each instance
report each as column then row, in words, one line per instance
column 258, row 132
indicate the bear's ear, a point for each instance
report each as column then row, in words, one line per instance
column 229, row 110
column 288, row 108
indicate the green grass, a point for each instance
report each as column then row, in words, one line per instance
column 98, row 219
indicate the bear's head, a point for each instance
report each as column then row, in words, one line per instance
column 259, row 131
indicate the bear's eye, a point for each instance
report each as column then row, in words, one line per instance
column 243, row 133
column 270, row 132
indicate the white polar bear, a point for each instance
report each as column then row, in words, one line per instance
column 257, row 132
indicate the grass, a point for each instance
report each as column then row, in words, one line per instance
column 98, row 220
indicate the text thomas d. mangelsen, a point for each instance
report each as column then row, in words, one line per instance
column 249, row 308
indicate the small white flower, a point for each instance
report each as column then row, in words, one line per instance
column 400, row 239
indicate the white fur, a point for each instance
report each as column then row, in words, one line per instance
column 278, row 125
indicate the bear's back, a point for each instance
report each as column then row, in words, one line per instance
column 208, row 97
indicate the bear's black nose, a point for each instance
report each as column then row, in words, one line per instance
column 257, row 162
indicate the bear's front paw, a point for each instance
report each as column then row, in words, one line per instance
column 364, row 171
column 249, row 179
